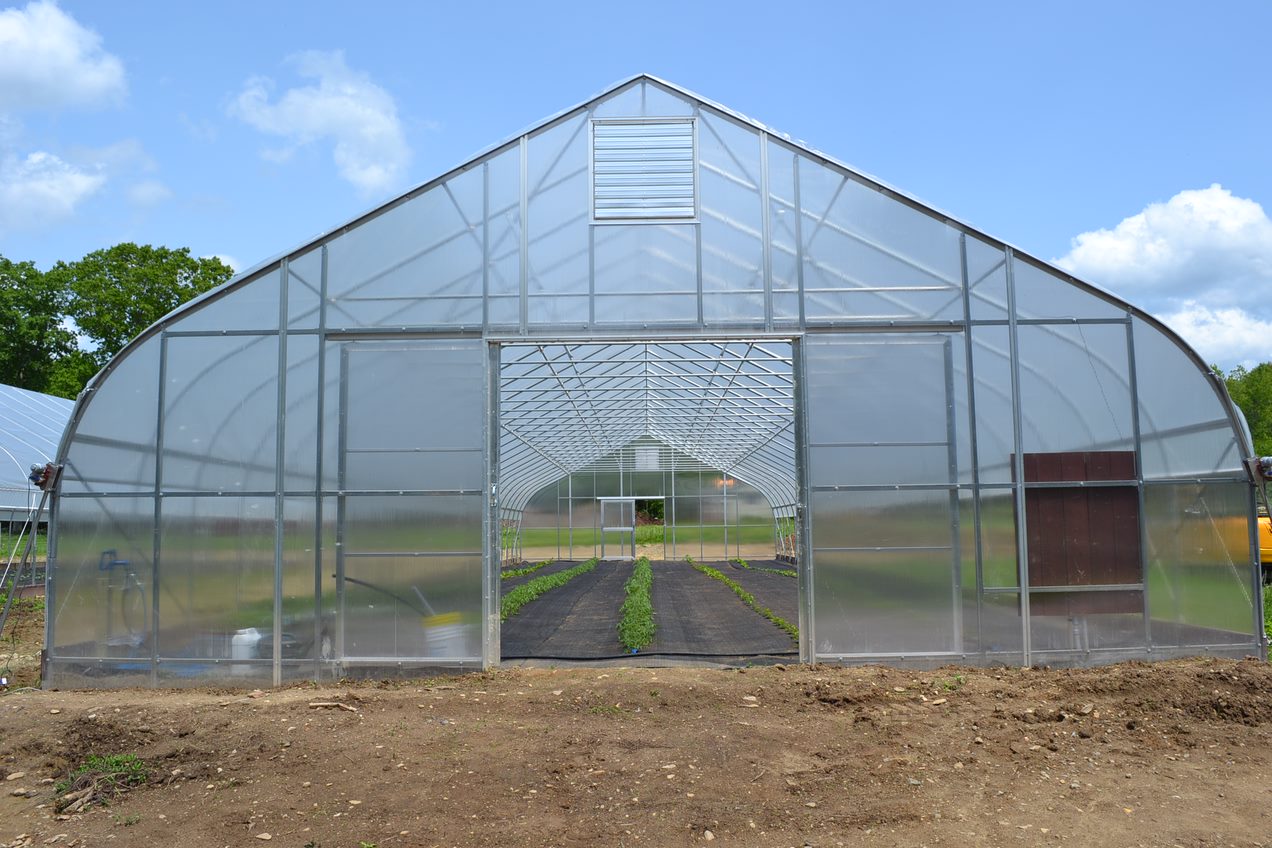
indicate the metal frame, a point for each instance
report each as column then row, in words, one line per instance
column 730, row 395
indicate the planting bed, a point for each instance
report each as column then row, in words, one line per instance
column 694, row 616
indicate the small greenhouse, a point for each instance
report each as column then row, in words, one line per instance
column 320, row 468
column 31, row 424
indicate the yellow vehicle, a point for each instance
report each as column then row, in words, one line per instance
column 1265, row 541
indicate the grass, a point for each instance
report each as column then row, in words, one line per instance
column 98, row 779
column 1267, row 613
column 785, row 572
column 747, row 598
column 636, row 627
column 527, row 592
column 522, row 572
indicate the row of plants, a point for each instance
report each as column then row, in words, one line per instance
column 636, row 622
column 785, row 572
column 746, row 598
column 527, row 592
column 522, row 572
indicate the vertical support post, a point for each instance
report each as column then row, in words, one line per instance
column 1256, row 589
column 956, row 528
column 319, row 470
column 524, row 256
column 969, row 359
column 156, row 551
column 1018, row 463
column 766, row 215
column 724, row 507
column 493, row 525
column 1137, row 442
column 799, row 242
column 341, row 501
column 569, row 483
column 803, row 509
column 280, row 436
column 672, row 512
column 485, row 247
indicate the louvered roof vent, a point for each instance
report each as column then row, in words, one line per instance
column 643, row 169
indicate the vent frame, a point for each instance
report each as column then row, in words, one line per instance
column 609, row 204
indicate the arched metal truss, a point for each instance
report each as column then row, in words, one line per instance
column 729, row 405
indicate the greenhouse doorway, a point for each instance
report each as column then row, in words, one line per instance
column 671, row 462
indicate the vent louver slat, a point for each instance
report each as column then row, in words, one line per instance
column 643, row 169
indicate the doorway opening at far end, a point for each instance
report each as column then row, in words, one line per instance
column 648, row 480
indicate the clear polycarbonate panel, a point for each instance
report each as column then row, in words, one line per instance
column 557, row 214
column 1201, row 577
column 783, row 233
column 1040, row 293
column 999, row 626
column 995, row 428
column 1184, row 428
column 1075, row 390
column 376, row 524
column 113, row 446
column 418, row 264
column 250, row 306
column 998, row 538
column 1089, row 621
column 411, row 585
column 100, row 595
column 415, row 416
column 731, row 208
column 304, row 290
column 410, row 580
column 986, row 280
column 300, row 433
column 646, row 274
column 307, row 631
column 503, row 238
column 643, row 99
column 220, row 413
column 862, row 430
column 216, row 580
column 867, row 256
column 885, row 573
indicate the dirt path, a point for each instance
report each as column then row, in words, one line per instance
column 1173, row 754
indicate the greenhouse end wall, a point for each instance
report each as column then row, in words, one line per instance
column 298, row 475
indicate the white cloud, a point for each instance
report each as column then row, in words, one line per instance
column 345, row 106
column 41, row 189
column 148, row 193
column 1228, row 336
column 47, row 60
column 1201, row 261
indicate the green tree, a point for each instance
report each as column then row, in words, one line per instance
column 33, row 334
column 114, row 294
column 1252, row 391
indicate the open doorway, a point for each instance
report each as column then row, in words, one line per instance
column 661, row 469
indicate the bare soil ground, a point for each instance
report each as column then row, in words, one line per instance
column 1162, row 755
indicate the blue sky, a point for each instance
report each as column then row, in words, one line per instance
column 1127, row 141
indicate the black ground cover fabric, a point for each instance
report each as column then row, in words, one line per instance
column 694, row 616
column 576, row 621
column 775, row 591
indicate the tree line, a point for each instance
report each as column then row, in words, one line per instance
column 1252, row 391
column 59, row 327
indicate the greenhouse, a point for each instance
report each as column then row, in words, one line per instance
column 648, row 304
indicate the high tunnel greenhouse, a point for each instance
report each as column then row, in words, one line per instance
column 320, row 468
